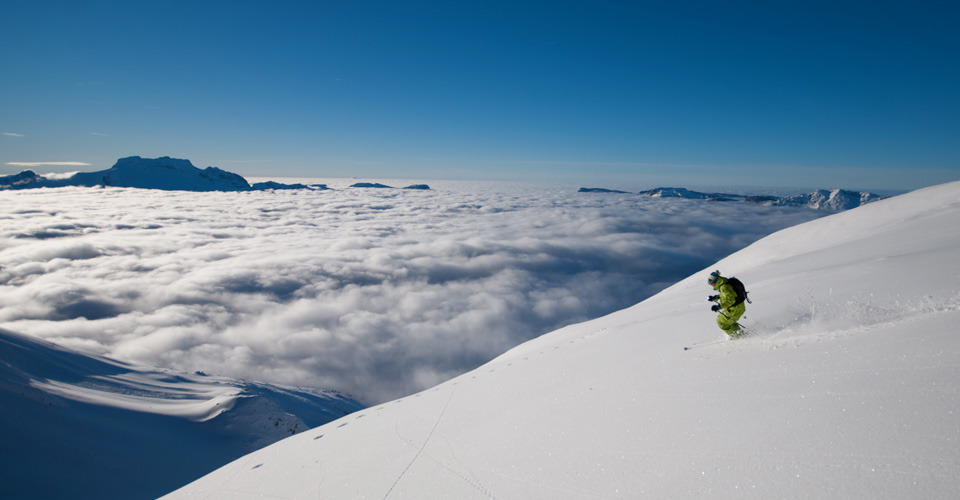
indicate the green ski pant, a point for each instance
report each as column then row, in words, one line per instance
column 727, row 321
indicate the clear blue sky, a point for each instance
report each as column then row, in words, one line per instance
column 794, row 93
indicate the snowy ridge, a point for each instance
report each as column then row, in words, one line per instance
column 847, row 391
column 670, row 192
column 821, row 199
column 130, row 417
column 165, row 173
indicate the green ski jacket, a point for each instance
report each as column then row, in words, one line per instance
column 727, row 297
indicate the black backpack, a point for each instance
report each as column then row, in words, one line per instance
column 741, row 291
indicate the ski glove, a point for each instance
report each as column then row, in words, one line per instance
column 713, row 298
column 715, row 308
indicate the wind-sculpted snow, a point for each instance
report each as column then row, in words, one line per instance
column 374, row 292
column 82, row 426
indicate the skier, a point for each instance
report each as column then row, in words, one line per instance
column 730, row 305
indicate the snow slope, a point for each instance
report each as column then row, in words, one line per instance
column 82, row 426
column 851, row 392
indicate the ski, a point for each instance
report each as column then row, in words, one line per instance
column 704, row 344
column 746, row 332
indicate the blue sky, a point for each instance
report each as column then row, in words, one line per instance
column 862, row 95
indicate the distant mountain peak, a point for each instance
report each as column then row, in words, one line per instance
column 821, row 199
column 164, row 173
column 168, row 174
column 19, row 181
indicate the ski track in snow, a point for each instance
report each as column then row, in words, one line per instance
column 472, row 480
column 458, row 469
column 421, row 447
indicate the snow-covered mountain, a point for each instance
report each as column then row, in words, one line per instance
column 82, row 426
column 23, row 180
column 377, row 185
column 847, row 389
column 821, row 199
column 164, row 173
column 670, row 192
column 601, row 190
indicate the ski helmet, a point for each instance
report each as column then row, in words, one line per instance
column 712, row 280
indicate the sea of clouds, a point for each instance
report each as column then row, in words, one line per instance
column 378, row 293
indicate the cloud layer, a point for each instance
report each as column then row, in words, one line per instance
column 378, row 293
